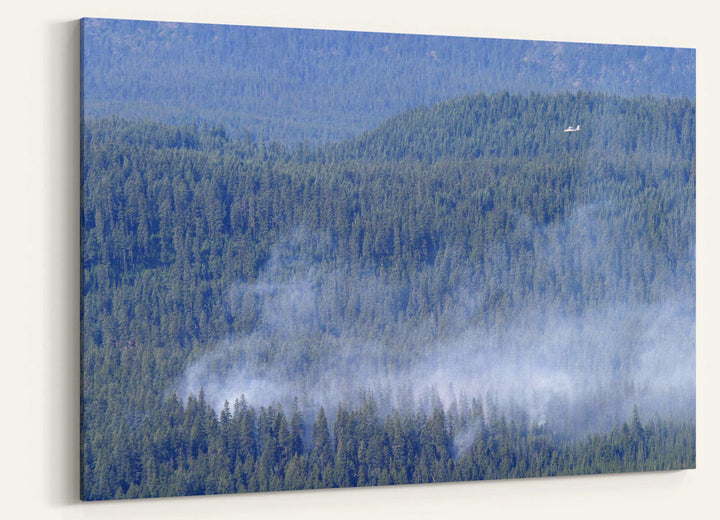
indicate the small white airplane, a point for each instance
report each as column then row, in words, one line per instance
column 571, row 129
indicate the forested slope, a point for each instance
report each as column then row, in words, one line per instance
column 549, row 276
column 292, row 85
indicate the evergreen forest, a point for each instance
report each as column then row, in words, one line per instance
column 462, row 291
column 295, row 85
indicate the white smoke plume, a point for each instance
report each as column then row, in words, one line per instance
column 577, row 371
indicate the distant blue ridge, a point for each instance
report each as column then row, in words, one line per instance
column 301, row 85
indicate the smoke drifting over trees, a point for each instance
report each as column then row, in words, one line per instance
column 328, row 336
column 462, row 293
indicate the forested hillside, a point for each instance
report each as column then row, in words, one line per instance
column 464, row 292
column 293, row 85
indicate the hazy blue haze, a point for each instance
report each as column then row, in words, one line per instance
column 294, row 84
column 431, row 243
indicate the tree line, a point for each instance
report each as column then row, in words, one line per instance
column 191, row 450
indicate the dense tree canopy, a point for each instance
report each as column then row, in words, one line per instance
column 469, row 215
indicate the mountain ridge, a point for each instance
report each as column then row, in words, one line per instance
column 295, row 85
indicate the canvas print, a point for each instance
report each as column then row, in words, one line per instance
column 317, row 259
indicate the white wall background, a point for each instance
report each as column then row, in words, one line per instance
column 39, row 208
